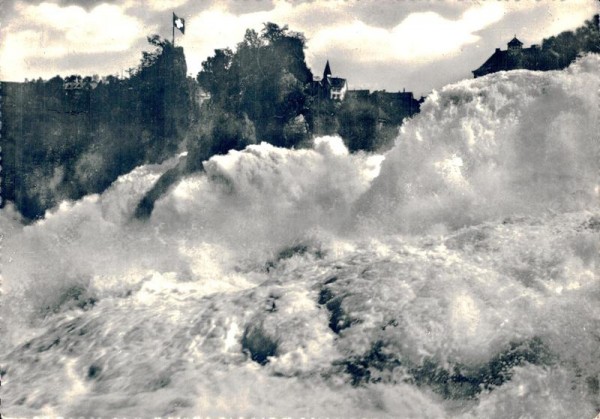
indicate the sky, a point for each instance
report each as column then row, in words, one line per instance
column 417, row 45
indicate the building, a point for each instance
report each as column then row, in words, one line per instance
column 555, row 53
column 395, row 106
column 334, row 88
column 514, row 57
column 361, row 94
column 392, row 107
column 78, row 83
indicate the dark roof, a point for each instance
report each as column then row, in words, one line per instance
column 507, row 60
column 336, row 82
column 327, row 71
column 394, row 95
column 359, row 94
column 497, row 62
column 515, row 42
column 381, row 115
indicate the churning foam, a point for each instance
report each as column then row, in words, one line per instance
column 303, row 252
column 511, row 142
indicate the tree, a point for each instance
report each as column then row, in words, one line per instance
column 561, row 50
column 215, row 77
column 358, row 125
column 158, row 41
column 264, row 80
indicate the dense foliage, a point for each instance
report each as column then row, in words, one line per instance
column 257, row 92
column 65, row 138
column 264, row 91
column 561, row 50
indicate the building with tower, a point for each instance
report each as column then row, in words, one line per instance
column 333, row 88
column 514, row 57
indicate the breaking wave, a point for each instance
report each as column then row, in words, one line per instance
column 513, row 142
column 455, row 276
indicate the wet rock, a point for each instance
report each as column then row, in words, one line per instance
column 259, row 344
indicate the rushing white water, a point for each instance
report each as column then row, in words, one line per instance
column 456, row 276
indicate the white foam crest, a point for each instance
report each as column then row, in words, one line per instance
column 510, row 142
column 249, row 203
column 265, row 197
column 81, row 243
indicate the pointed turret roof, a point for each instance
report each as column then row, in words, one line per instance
column 515, row 42
column 327, row 71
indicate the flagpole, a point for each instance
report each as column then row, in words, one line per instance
column 173, row 25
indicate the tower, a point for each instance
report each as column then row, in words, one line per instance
column 515, row 44
column 327, row 71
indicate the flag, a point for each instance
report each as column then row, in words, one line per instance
column 179, row 23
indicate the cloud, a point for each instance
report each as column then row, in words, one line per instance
column 162, row 5
column 553, row 17
column 533, row 20
column 420, row 36
column 50, row 31
column 338, row 26
column 347, row 31
column 223, row 25
column 217, row 27
column 434, row 42
column 104, row 28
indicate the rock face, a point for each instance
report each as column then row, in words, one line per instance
column 63, row 139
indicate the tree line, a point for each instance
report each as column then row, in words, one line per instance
column 63, row 143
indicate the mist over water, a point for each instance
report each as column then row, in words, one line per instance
column 455, row 276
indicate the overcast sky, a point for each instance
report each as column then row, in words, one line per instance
column 392, row 44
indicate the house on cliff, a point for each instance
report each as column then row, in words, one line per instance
column 514, row 57
column 391, row 107
column 333, row 88
column 555, row 52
